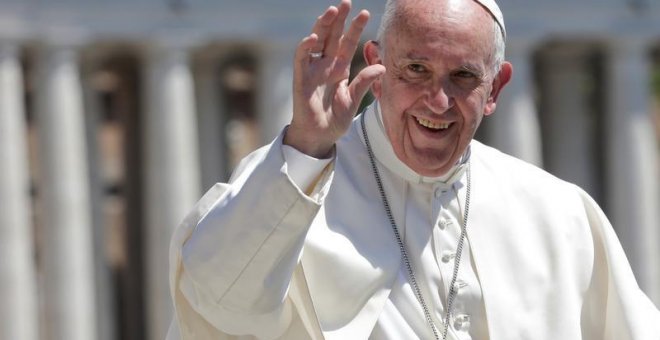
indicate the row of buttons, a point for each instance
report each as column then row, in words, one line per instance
column 461, row 322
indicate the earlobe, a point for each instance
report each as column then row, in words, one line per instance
column 500, row 80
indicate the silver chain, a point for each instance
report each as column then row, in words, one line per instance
column 402, row 248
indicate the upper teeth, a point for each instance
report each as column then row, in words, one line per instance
column 429, row 124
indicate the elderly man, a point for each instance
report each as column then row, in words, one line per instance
column 396, row 224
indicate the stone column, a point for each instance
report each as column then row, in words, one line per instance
column 67, row 257
column 632, row 171
column 172, row 175
column 18, row 291
column 515, row 129
column 212, row 139
column 105, row 286
column 275, row 86
column 569, row 122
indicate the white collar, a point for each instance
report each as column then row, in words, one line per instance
column 384, row 152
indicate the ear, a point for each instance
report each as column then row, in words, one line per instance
column 501, row 79
column 371, row 53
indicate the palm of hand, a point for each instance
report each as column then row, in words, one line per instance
column 324, row 100
column 329, row 99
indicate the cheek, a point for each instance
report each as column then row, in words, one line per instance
column 472, row 112
column 475, row 104
column 403, row 96
column 481, row 95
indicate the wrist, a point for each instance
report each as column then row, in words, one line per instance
column 306, row 143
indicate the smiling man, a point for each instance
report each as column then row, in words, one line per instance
column 436, row 91
column 397, row 224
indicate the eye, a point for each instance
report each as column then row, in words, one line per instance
column 416, row 68
column 415, row 72
column 463, row 74
column 466, row 79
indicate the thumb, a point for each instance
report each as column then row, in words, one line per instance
column 361, row 83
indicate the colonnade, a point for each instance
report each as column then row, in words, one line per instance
column 182, row 150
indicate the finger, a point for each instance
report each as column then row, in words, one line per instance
column 332, row 41
column 301, row 60
column 351, row 40
column 361, row 83
column 323, row 26
column 302, row 52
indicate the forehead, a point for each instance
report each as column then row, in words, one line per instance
column 441, row 29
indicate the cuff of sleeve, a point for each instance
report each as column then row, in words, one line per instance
column 301, row 168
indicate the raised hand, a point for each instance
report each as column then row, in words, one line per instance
column 324, row 102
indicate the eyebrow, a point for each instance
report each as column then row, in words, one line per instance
column 413, row 56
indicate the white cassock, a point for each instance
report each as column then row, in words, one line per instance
column 262, row 258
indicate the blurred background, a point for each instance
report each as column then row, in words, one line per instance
column 115, row 116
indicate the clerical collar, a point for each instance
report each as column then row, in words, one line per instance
column 385, row 153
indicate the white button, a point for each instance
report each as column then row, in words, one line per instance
column 447, row 256
column 442, row 224
column 460, row 284
column 462, row 322
column 439, row 191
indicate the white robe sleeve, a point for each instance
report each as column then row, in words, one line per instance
column 303, row 169
column 233, row 257
column 617, row 309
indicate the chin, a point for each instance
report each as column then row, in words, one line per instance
column 430, row 165
column 431, row 173
column 428, row 169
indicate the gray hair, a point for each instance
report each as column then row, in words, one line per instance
column 497, row 58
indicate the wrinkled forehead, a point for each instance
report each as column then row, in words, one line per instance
column 451, row 32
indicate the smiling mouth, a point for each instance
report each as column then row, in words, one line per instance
column 430, row 125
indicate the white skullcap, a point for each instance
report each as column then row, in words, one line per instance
column 495, row 12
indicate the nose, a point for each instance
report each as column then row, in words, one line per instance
column 438, row 99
